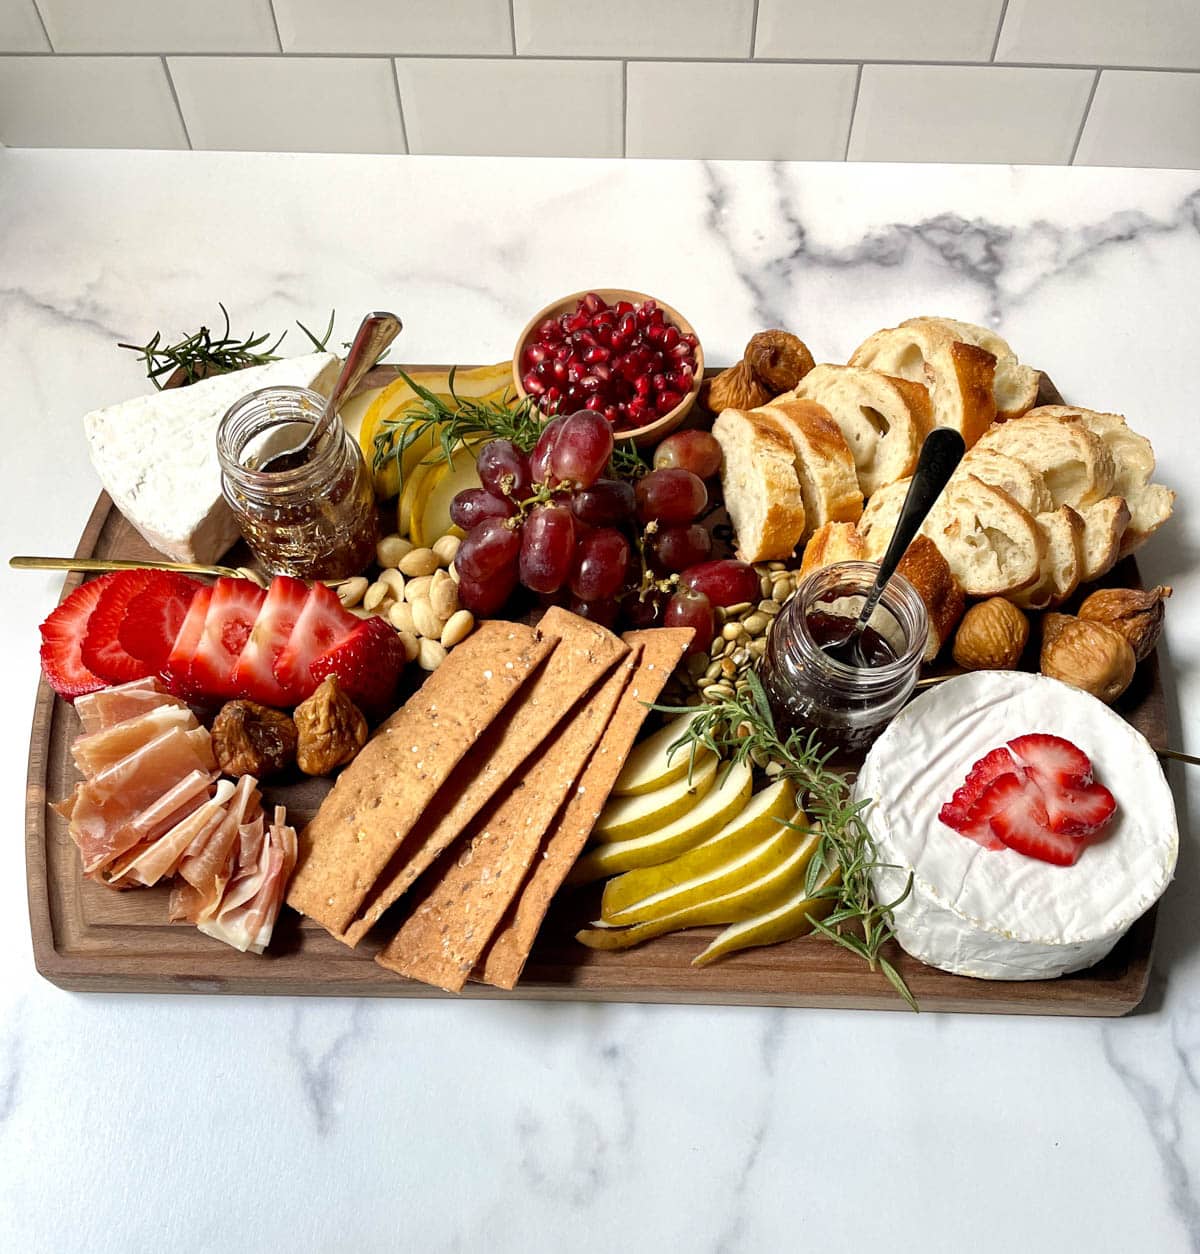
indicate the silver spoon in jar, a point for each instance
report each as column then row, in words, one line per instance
column 375, row 333
column 940, row 454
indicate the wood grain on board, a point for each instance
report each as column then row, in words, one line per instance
column 93, row 939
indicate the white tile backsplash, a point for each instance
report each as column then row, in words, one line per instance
column 512, row 108
column 160, row 25
column 886, row 30
column 289, row 104
column 968, row 113
column 20, row 29
column 634, row 28
column 761, row 112
column 1102, row 32
column 395, row 27
column 87, row 102
column 1143, row 118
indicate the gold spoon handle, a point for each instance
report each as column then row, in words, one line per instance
column 91, row 564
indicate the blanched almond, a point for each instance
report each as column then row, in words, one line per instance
column 447, row 549
column 443, row 596
column 394, row 580
column 391, row 549
column 412, row 646
column 352, row 591
column 430, row 655
column 401, row 617
column 417, row 588
column 427, row 622
column 458, row 627
column 374, row 596
column 418, row 562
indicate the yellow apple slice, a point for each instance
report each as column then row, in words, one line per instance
column 652, row 763
column 625, row 817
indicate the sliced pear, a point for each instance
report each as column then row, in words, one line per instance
column 417, row 484
column 431, row 518
column 762, row 817
column 721, row 804
column 651, row 764
column 626, row 817
column 750, row 901
column 785, row 921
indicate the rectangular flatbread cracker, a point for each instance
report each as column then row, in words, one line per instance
column 381, row 794
column 477, row 878
column 583, row 656
column 657, row 653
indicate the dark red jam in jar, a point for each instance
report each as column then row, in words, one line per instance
column 813, row 684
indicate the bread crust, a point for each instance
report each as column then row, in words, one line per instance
column 1014, row 386
column 945, row 602
column 833, row 542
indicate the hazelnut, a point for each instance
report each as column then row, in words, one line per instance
column 1137, row 613
column 331, row 729
column 1091, row 656
column 252, row 739
column 991, row 637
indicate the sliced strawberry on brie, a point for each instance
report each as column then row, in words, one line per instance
column 1052, row 761
column 323, row 623
column 956, row 813
column 1017, row 816
column 254, row 674
column 1079, row 812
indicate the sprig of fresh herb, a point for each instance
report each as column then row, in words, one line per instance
column 202, row 354
column 742, row 727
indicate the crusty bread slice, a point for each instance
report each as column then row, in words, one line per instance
column 1014, row 387
column 1104, row 525
column 1150, row 504
column 758, row 480
column 1076, row 464
column 883, row 419
column 1062, row 561
column 834, row 542
column 959, row 375
column 1021, row 481
column 824, row 463
column 928, row 571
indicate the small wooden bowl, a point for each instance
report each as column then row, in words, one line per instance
column 653, row 432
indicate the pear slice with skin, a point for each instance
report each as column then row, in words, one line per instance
column 722, row 804
column 625, row 817
column 651, row 763
column 764, row 816
column 785, row 921
column 777, row 885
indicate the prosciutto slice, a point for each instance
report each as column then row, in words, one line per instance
column 105, row 748
column 103, row 709
column 163, row 856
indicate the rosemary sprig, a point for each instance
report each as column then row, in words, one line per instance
column 742, row 727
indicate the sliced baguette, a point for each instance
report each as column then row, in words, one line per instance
column 834, row 542
column 1076, row 464
column 1062, row 561
column 823, row 461
column 1014, row 387
column 758, row 480
column 1024, row 483
column 959, row 375
column 1104, row 525
column 883, row 419
column 929, row 572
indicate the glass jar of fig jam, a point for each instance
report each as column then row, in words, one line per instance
column 813, row 685
column 316, row 521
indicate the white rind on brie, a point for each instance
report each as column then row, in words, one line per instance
column 157, row 455
column 998, row 914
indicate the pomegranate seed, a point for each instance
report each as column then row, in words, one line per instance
column 670, row 337
column 533, row 385
column 667, row 401
column 641, row 385
column 553, row 395
column 576, row 370
column 594, row 402
column 592, row 303
column 680, row 380
column 602, row 371
column 623, row 307
column 611, row 413
column 659, row 381
column 596, row 353
column 549, row 330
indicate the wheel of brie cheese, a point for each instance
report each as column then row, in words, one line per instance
column 998, row 914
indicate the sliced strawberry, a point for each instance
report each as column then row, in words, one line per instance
column 101, row 650
column 62, row 639
column 368, row 663
column 1052, row 761
column 1018, row 817
column 1079, row 812
column 955, row 813
column 178, row 669
column 154, row 616
column 254, row 675
column 323, row 623
column 227, row 626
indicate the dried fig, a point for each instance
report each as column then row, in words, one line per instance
column 1137, row 613
column 252, row 739
column 332, row 729
column 734, row 388
column 991, row 637
column 778, row 360
column 1091, row 656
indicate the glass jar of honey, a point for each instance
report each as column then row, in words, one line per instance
column 315, row 521
column 813, row 685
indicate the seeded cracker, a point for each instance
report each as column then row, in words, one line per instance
column 381, row 794
column 656, row 654
column 582, row 657
column 477, row 877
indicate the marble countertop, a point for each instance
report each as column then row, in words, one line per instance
column 204, row 1123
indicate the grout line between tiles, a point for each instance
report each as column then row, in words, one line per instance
column 1087, row 108
column 42, row 23
column 512, row 25
column 175, row 96
column 624, row 108
column 275, row 21
column 400, row 104
column 853, row 113
column 999, row 30
column 754, row 29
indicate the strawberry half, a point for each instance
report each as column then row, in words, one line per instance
column 101, row 649
column 1052, row 761
column 154, row 616
column 62, row 640
column 1017, row 815
column 177, row 671
column 956, row 813
column 368, row 664
column 254, row 675
column 1079, row 812
column 323, row 623
column 227, row 626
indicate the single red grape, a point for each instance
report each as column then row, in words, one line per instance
column 724, row 582
column 488, row 548
column 504, row 470
column 645, row 611
column 678, row 547
column 547, row 548
column 472, row 505
column 697, row 451
column 673, row 495
column 603, row 613
column 486, row 597
column 601, row 564
column 539, row 460
column 692, row 609
column 582, row 450
column 606, row 503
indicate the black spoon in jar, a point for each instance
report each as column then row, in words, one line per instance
column 940, row 454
